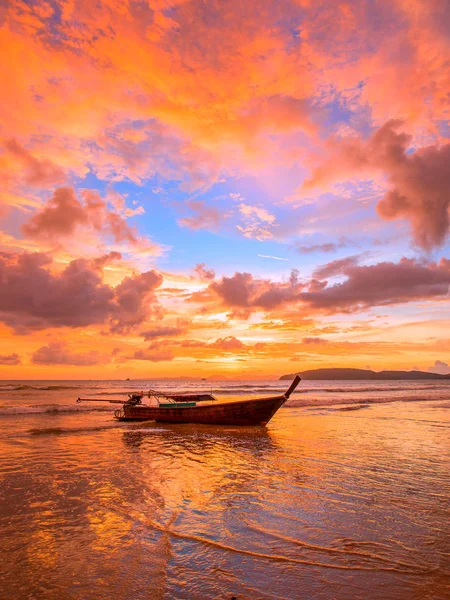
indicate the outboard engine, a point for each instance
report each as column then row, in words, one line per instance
column 134, row 399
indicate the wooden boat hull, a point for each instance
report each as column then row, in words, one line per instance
column 244, row 412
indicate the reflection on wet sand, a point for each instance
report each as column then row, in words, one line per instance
column 192, row 436
column 342, row 500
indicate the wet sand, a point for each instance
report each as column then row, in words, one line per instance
column 325, row 502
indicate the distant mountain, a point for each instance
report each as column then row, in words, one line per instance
column 361, row 374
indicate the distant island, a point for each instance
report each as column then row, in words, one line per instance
column 362, row 374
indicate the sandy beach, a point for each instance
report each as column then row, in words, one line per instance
column 345, row 500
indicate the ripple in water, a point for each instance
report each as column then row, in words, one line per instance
column 324, row 503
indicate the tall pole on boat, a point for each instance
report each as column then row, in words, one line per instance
column 294, row 384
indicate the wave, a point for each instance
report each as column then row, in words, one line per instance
column 226, row 388
column 380, row 388
column 326, row 402
column 51, row 409
column 70, row 430
column 252, row 385
column 367, row 562
column 40, row 388
column 312, row 404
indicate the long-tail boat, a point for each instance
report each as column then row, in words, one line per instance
column 257, row 411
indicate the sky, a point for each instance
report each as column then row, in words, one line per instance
column 223, row 188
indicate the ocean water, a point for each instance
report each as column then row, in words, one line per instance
column 344, row 495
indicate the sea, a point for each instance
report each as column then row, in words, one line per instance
column 345, row 495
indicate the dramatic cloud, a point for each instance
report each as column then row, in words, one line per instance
column 383, row 284
column 363, row 287
column 240, row 89
column 243, row 291
column 136, row 301
column 64, row 213
column 336, row 267
column 34, row 298
column 419, row 181
column 115, row 114
column 57, row 353
column 60, row 217
column 10, row 359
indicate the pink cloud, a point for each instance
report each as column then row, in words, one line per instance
column 203, row 272
column 382, row 284
column 136, row 301
column 57, row 353
column 336, row 267
column 64, row 213
column 228, row 343
column 242, row 290
column 314, row 341
column 328, row 247
column 316, row 286
column 418, row 182
column 35, row 172
column 60, row 217
column 162, row 331
column 154, row 355
column 34, row 298
column 363, row 287
column 440, row 367
column 10, row 359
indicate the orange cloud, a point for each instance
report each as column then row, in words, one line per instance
column 33, row 171
column 154, row 355
column 10, row 359
column 58, row 353
column 64, row 213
